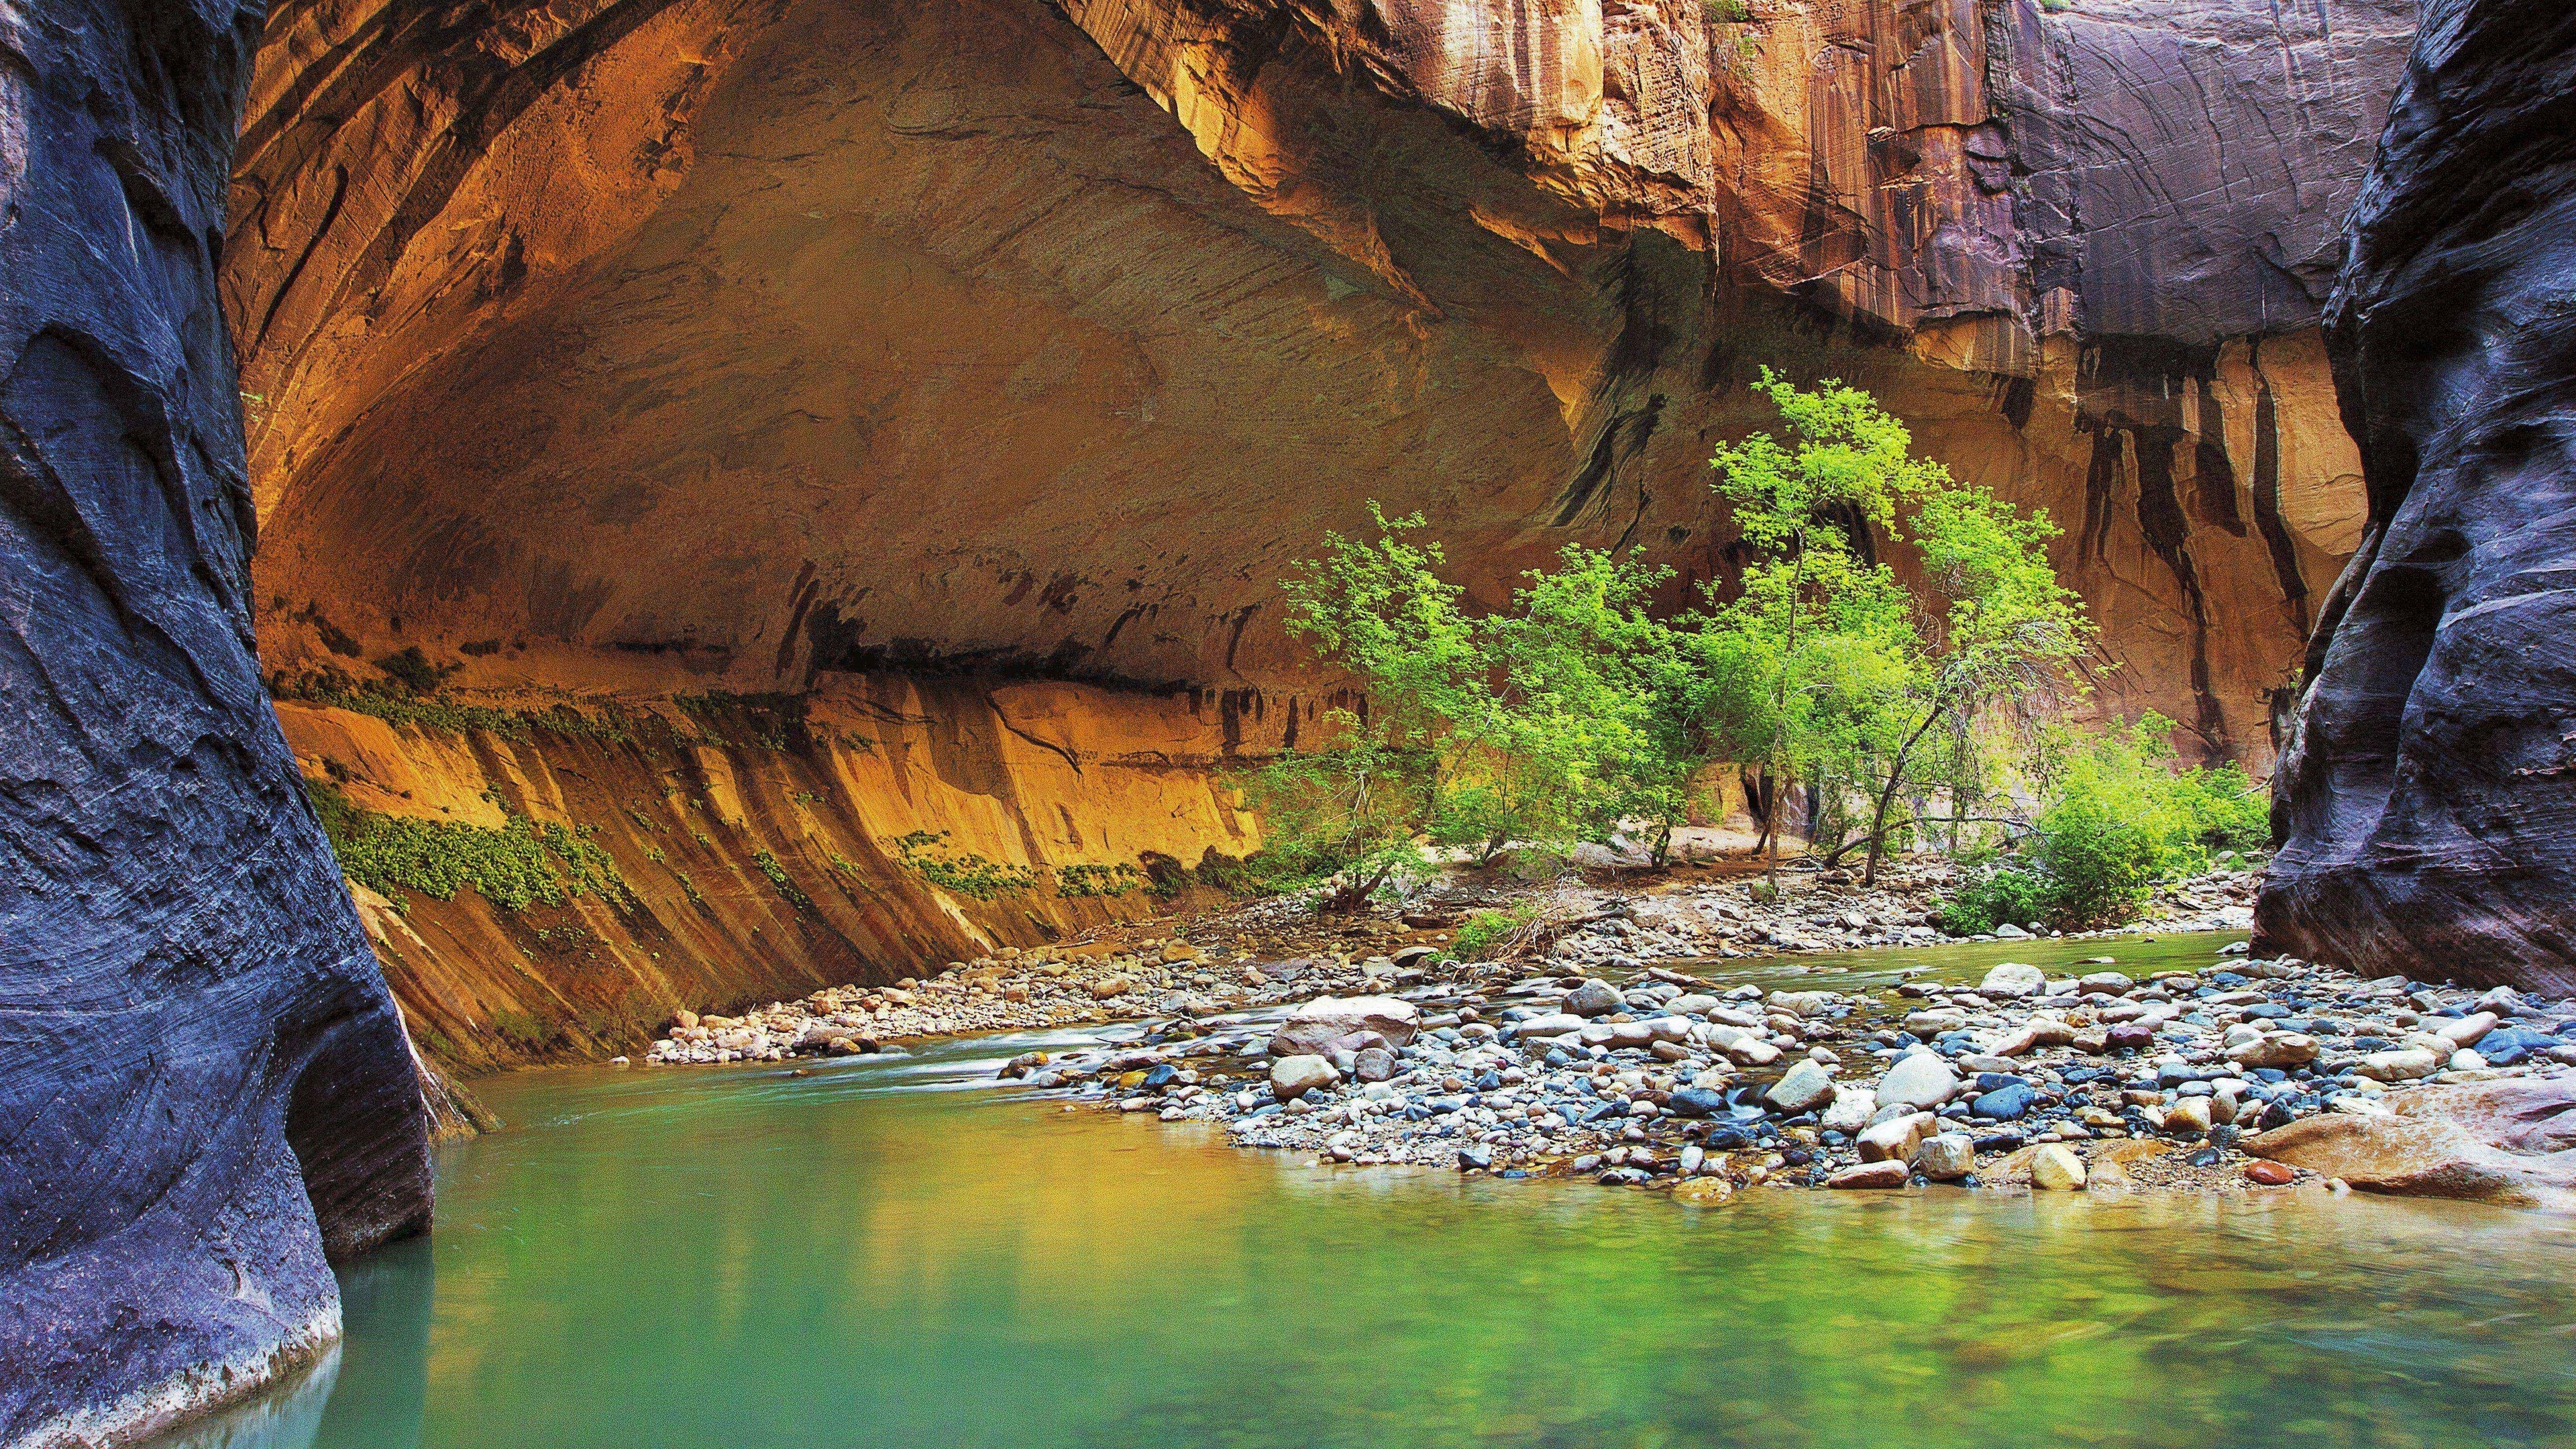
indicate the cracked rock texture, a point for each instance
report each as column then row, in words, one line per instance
column 204, row 1088
column 760, row 339
column 2428, row 795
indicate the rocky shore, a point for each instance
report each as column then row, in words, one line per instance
column 1593, row 1056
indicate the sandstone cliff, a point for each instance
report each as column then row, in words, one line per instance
column 727, row 850
column 204, row 1087
column 780, row 337
column 2429, row 796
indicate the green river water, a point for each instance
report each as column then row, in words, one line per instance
column 888, row 1252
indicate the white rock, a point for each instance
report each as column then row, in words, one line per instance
column 2468, row 1031
column 2012, row 979
column 1895, row 1141
column 2282, row 1051
column 2057, row 1169
column 2398, row 1066
column 1919, row 1080
column 1804, row 1088
column 1851, row 1110
column 1946, row 1156
column 1292, row 1076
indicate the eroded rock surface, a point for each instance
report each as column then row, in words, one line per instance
column 780, row 337
column 204, row 1088
column 2502, row 1142
column 2429, row 796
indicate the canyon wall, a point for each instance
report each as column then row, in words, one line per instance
column 769, row 339
column 2428, row 797
column 738, row 849
column 204, row 1087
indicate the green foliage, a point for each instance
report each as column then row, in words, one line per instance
column 768, row 865
column 1824, row 667
column 1991, row 896
column 1546, row 722
column 334, row 688
column 2117, row 816
column 960, row 873
column 1486, row 930
column 521, row 1030
column 1729, row 12
column 524, row 862
column 2054, row 6
column 1098, row 880
column 770, row 721
column 413, row 670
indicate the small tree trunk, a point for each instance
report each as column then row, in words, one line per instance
column 1887, row 797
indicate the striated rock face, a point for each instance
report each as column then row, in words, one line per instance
column 755, row 850
column 2428, row 797
column 781, row 337
column 2510, row 1142
column 204, row 1088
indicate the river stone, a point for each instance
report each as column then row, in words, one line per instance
column 2404, row 1065
column 1374, row 1064
column 2056, row 1168
column 1593, row 998
column 1554, row 1024
column 2010, row 932
column 1895, row 1140
column 1752, row 1051
column 1946, row 1156
column 2280, row 1052
column 2468, row 1031
column 2190, row 1117
column 1850, row 1110
column 1802, row 1003
column 1319, row 1025
column 1920, row 1080
column 1805, row 1087
column 1696, row 1102
column 1293, row 1076
column 2006, row 1103
column 2105, row 983
column 1871, row 1175
column 2510, row 1142
column 1706, row 1191
column 2012, row 979
column 2032, row 1035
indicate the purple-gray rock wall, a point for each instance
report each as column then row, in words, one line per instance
column 204, row 1087
column 2427, row 797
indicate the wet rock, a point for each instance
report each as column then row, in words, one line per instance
column 2007, row 1103
column 2056, row 1169
column 1850, row 1110
column 2012, row 980
column 2510, row 1142
column 1697, row 1102
column 1374, row 1064
column 1946, row 1157
column 1293, row 1076
column 1593, row 998
column 1705, row 1191
column 1803, row 1088
column 2270, row 1174
column 2189, row 1117
column 1919, row 1081
column 1871, row 1175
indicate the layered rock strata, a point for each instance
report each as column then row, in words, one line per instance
column 782, row 337
column 205, row 1092
column 2428, row 798
column 733, row 851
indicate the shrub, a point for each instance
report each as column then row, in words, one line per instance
column 1995, row 895
column 523, row 862
column 1486, row 930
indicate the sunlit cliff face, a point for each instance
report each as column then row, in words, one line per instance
column 738, row 340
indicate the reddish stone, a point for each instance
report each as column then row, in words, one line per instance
column 2270, row 1174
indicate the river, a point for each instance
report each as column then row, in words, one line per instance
column 890, row 1251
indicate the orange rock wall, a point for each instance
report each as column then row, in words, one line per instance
column 1029, row 775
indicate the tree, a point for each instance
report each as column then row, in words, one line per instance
column 1549, row 721
column 1860, row 676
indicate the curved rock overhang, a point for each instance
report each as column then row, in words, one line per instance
column 733, row 341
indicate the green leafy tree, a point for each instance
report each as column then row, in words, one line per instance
column 1862, row 677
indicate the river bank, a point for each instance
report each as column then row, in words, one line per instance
column 1702, row 1039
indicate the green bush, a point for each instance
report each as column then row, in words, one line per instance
column 2117, row 816
column 1995, row 895
column 1486, row 930
column 523, row 862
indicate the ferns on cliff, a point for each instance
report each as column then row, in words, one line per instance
column 523, row 862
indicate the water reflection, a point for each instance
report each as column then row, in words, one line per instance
column 752, row 1258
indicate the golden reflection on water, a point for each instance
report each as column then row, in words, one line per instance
column 742, row 1258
